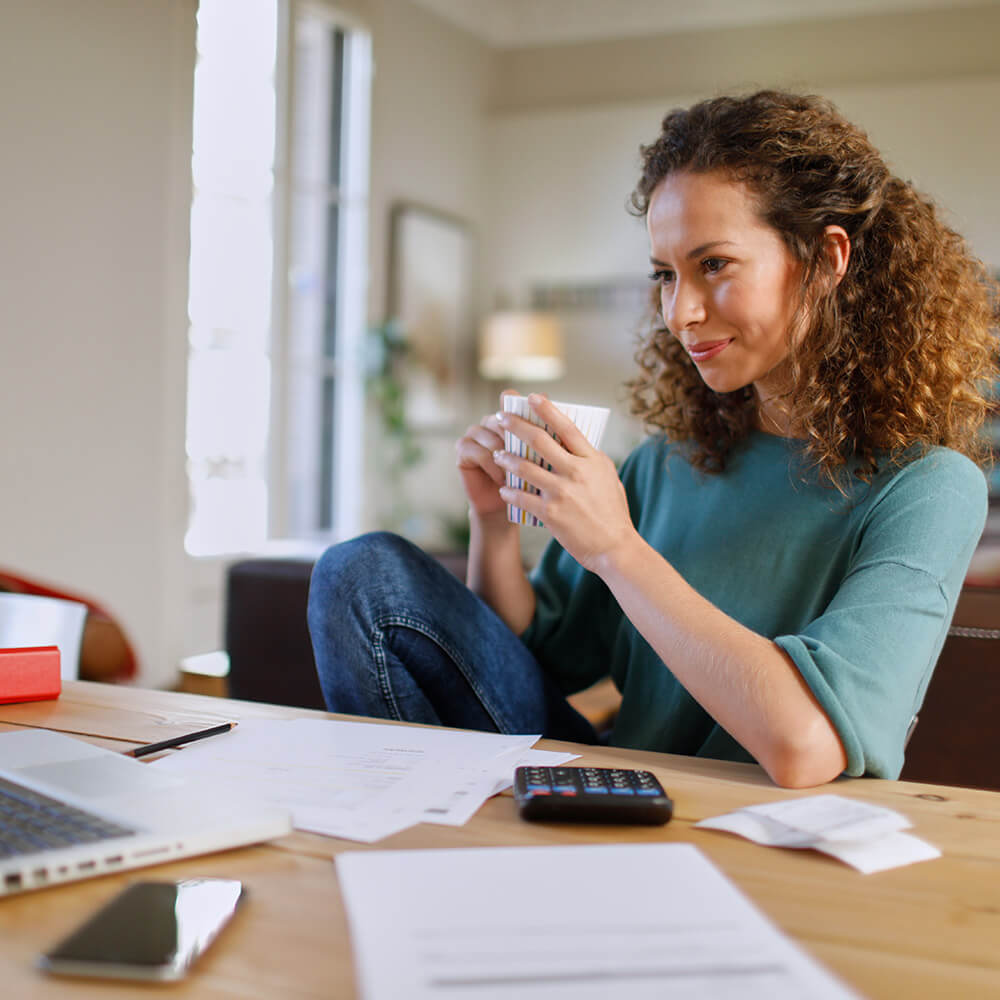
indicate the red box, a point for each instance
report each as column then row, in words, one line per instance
column 29, row 674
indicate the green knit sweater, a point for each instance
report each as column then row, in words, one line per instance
column 858, row 591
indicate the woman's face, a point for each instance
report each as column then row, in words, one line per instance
column 728, row 284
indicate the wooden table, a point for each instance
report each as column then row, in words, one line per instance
column 927, row 930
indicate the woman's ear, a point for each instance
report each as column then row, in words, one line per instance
column 837, row 247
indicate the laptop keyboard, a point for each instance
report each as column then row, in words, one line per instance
column 31, row 822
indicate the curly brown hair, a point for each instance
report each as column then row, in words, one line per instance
column 899, row 355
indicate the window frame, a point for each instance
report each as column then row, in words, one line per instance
column 301, row 445
column 346, row 367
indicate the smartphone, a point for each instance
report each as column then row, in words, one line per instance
column 149, row 931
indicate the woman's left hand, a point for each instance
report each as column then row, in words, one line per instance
column 581, row 500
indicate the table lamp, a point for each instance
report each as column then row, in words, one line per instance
column 521, row 346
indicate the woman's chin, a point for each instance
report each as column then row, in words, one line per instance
column 720, row 383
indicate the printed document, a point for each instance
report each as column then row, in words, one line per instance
column 357, row 780
column 641, row 921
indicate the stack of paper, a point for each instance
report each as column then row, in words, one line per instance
column 359, row 780
column 867, row 837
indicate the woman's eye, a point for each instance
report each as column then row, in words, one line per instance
column 661, row 277
column 713, row 265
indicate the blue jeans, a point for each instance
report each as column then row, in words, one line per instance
column 397, row 636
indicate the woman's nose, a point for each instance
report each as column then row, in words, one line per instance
column 683, row 306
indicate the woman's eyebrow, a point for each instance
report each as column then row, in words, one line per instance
column 697, row 251
column 711, row 245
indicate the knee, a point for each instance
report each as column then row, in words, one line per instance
column 358, row 556
column 345, row 573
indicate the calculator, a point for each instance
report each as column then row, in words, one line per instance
column 591, row 795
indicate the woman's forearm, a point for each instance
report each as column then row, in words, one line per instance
column 496, row 571
column 742, row 679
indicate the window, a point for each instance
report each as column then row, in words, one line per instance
column 278, row 245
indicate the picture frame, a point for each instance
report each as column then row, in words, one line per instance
column 430, row 297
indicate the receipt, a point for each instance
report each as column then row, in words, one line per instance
column 867, row 837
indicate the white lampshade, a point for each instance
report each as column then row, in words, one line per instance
column 526, row 346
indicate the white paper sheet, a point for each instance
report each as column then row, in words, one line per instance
column 532, row 758
column 361, row 781
column 608, row 921
column 862, row 835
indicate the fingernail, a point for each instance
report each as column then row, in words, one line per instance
column 535, row 399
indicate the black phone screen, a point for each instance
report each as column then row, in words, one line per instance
column 150, row 930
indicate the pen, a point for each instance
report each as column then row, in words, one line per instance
column 178, row 740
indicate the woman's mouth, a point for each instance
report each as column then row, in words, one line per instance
column 707, row 349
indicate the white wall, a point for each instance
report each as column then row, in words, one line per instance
column 560, row 179
column 944, row 136
column 428, row 123
column 95, row 127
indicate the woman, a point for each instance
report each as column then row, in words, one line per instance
column 771, row 576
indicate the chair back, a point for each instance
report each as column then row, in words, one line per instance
column 957, row 741
column 267, row 638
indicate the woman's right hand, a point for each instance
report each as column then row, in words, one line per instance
column 481, row 476
column 496, row 569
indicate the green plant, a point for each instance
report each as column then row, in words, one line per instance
column 388, row 358
column 387, row 354
column 387, row 351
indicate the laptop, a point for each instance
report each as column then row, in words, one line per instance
column 70, row 810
